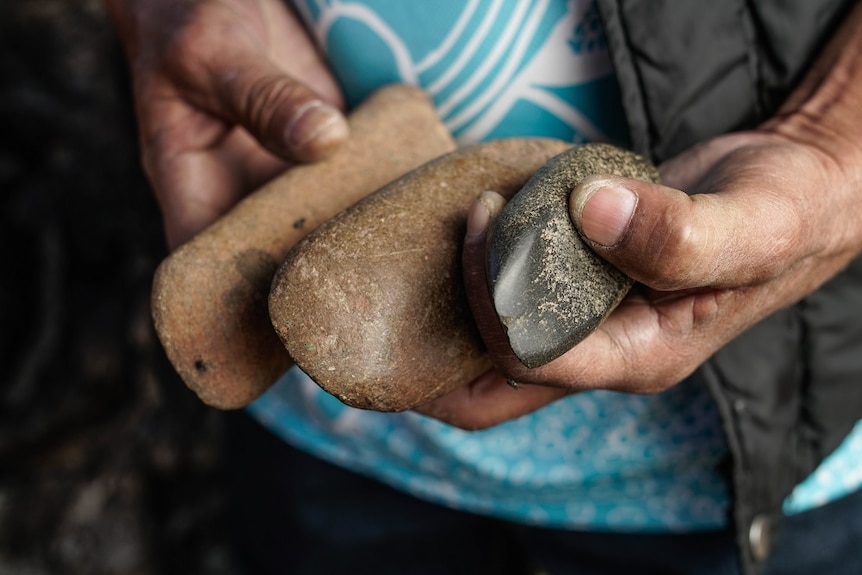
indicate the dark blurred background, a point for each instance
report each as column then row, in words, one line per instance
column 107, row 463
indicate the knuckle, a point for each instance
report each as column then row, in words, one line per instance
column 780, row 237
column 270, row 100
column 677, row 247
column 707, row 308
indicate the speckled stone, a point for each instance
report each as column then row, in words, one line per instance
column 372, row 306
column 550, row 290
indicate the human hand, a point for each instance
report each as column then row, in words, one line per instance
column 769, row 219
column 228, row 93
column 772, row 215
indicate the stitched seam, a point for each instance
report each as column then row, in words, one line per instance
column 755, row 62
column 641, row 127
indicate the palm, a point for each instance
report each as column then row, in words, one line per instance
column 202, row 69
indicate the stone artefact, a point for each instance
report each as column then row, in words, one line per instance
column 550, row 290
column 372, row 305
column 209, row 296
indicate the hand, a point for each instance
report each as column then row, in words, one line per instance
column 772, row 215
column 769, row 219
column 228, row 93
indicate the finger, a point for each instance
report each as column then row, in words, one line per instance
column 228, row 70
column 483, row 211
column 489, row 400
column 627, row 353
column 196, row 187
column 252, row 165
column 643, row 347
column 287, row 117
column 295, row 50
column 199, row 167
column 671, row 241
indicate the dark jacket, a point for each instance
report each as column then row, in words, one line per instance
column 790, row 388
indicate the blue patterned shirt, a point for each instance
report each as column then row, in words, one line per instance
column 599, row 460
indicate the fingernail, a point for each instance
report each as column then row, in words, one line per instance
column 316, row 123
column 602, row 210
column 477, row 221
column 479, row 215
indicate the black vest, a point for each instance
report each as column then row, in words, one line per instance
column 790, row 388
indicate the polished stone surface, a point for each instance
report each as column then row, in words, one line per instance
column 550, row 290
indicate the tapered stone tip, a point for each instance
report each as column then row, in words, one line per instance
column 549, row 289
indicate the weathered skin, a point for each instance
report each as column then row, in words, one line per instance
column 550, row 290
column 371, row 305
column 209, row 297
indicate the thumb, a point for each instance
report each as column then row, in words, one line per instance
column 284, row 115
column 667, row 239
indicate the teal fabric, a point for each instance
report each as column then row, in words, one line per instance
column 494, row 68
column 596, row 460
column 839, row 475
column 599, row 460
column 498, row 68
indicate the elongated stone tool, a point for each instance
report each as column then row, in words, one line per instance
column 550, row 290
column 209, row 296
column 372, row 306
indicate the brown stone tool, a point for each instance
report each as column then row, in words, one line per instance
column 209, row 297
column 550, row 290
column 371, row 304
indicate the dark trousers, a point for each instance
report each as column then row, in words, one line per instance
column 295, row 514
